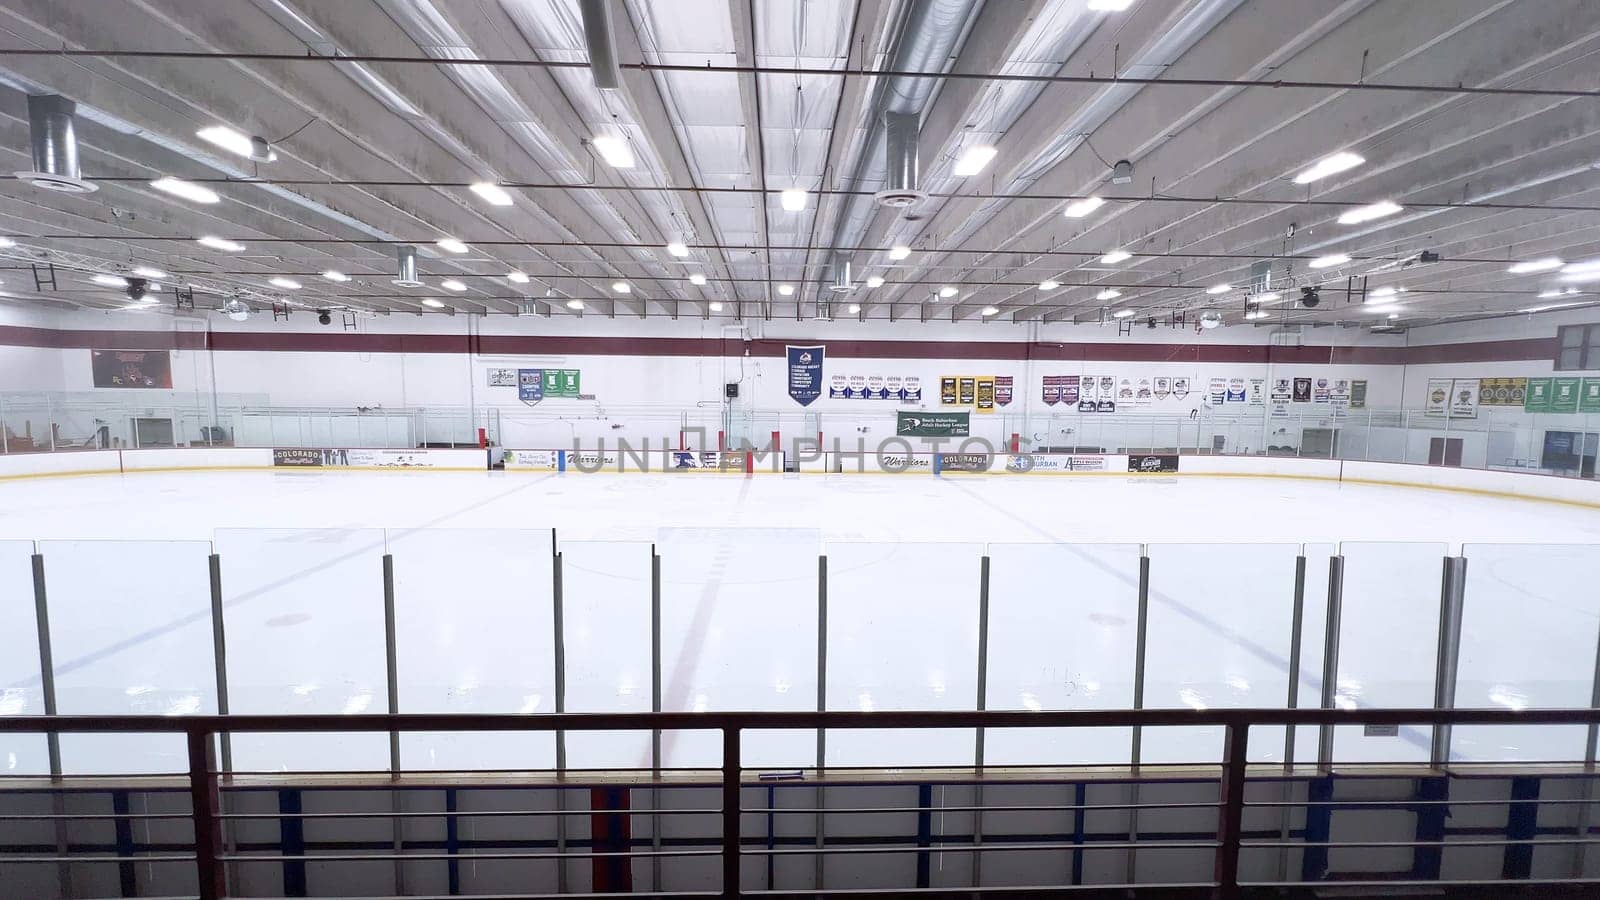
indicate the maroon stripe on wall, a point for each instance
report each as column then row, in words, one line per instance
column 334, row 341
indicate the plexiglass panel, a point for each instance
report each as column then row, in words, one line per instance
column 1388, row 641
column 21, row 687
column 1220, row 630
column 304, row 616
column 902, row 634
column 1528, row 635
column 1063, row 622
column 475, row 633
column 606, row 603
column 739, row 632
column 130, row 633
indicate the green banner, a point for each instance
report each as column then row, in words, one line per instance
column 1589, row 397
column 1538, row 397
column 560, row 382
column 923, row 424
column 1564, row 395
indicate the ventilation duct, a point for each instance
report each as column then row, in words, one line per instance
column 54, row 142
column 841, row 275
column 407, row 258
column 902, row 129
column 602, row 48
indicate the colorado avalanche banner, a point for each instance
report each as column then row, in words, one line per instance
column 805, row 373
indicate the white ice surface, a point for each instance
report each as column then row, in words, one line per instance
column 739, row 609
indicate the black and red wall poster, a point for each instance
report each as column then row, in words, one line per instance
column 132, row 368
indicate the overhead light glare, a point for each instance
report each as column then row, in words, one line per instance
column 697, row 278
column 517, row 277
column 1547, row 264
column 228, row 139
column 451, row 245
column 1329, row 165
column 1109, row 5
column 793, row 199
column 855, row 309
column 1370, row 212
column 110, row 280
column 1255, row 315
column 450, row 284
column 574, row 303
column 621, row 287
column 222, row 244
column 614, row 151
column 899, row 252
column 714, row 306
column 335, row 275
column 288, row 284
column 1384, row 291
column 1381, row 307
column 786, row 289
column 676, row 248
column 1115, row 257
column 185, row 190
column 1123, row 313
column 974, row 160
column 990, row 310
column 1049, row 285
column 1579, row 268
column 948, row 291
column 147, row 272
column 1549, row 306
column 1108, row 294
column 492, row 194
column 1080, row 208
column 1219, row 289
column 1268, row 297
column 1333, row 259
column 429, row 301
column 874, row 281
column 7, row 242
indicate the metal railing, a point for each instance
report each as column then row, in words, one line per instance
column 211, row 859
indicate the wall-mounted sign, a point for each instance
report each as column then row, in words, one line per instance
column 502, row 378
column 805, row 373
column 917, row 424
column 132, row 368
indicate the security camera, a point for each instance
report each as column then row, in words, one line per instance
column 1310, row 297
column 138, row 289
column 324, row 317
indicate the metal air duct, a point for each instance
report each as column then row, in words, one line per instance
column 54, row 143
column 841, row 275
column 406, row 256
column 902, row 131
column 602, row 47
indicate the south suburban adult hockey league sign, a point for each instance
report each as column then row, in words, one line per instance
column 805, row 373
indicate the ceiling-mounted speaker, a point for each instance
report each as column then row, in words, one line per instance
column 602, row 47
column 406, row 260
column 902, row 131
column 1122, row 172
column 53, row 138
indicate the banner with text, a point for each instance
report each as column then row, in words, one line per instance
column 805, row 373
column 928, row 424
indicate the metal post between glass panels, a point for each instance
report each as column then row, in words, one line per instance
column 205, row 803
column 730, row 811
column 1136, row 747
column 982, row 704
column 1452, row 595
column 1330, row 656
column 1297, row 623
column 560, row 662
column 655, row 706
column 1230, row 814
column 822, row 706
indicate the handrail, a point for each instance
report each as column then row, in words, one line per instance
column 210, row 858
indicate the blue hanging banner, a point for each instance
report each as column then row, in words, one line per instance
column 530, row 384
column 805, row 373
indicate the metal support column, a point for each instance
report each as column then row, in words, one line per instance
column 1230, row 816
column 730, row 811
column 392, row 672
column 1297, row 623
column 1136, row 750
column 822, row 706
column 655, row 706
column 204, row 797
column 558, row 607
column 1330, row 657
column 47, row 687
column 983, row 704
column 219, row 655
column 1452, row 593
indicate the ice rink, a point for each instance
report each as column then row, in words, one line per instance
column 302, row 593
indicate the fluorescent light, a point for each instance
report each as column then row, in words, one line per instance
column 990, row 310
column 786, row 289
column 855, row 309
column 614, row 151
column 714, row 306
column 1109, row 5
column 288, row 284
column 1385, row 291
column 450, row 284
column 1080, row 208
column 1380, row 307
column 217, row 243
column 899, row 252
column 621, row 287
column 874, row 281
column 574, row 303
column 186, row 190
column 492, row 194
column 226, row 138
column 1582, row 277
column 948, row 291
column 1268, row 297
column 974, row 160
column 1546, row 264
column 1557, row 292
column 7, row 242
column 794, row 199
column 1108, row 294
column 697, row 278
column 517, row 277
column 1048, row 285
column 1549, row 306
column 147, row 272
column 1115, row 257
column 1329, row 165
column 429, row 301
column 1219, row 289
column 676, row 248
column 1333, row 259
column 1253, row 316
column 1123, row 313
column 335, row 275
column 110, row 280
column 1369, row 212
column 451, row 245
column 1578, row 268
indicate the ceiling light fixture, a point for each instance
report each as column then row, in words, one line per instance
column 948, row 291
column 974, row 160
column 676, row 248
column 574, row 303
column 786, row 289
column 899, row 252
column 990, row 310
column 450, row 284
column 1219, row 289
column 1255, row 315
column 621, row 287
column 1268, row 297
column 222, row 244
column 697, row 278
column 288, row 284
column 1332, row 259
column 517, row 277
column 147, row 272
column 1080, row 208
column 1385, row 291
column 874, row 281
column 714, row 306
column 855, row 309
column 1123, row 313
column 1329, row 165
column 1547, row 264
column 335, row 275
column 236, row 142
column 1370, row 212
column 1381, row 307
column 1108, row 294
column 614, row 151
column 116, row 281
column 1049, row 285
column 429, row 301
column 185, row 190
column 1115, row 257
column 451, row 245
column 1579, row 268
column 492, row 194
column 793, row 199
column 1109, row 5
column 7, row 242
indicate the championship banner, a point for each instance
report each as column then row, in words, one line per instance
column 1219, row 391
column 1002, row 390
column 1125, row 391
column 539, row 384
column 1180, row 388
column 1052, row 390
column 1302, row 390
column 1236, row 390
column 1323, row 392
column 1163, row 388
column 1107, row 402
column 530, row 384
column 1341, row 392
column 1088, row 387
column 1538, row 396
column 1358, row 394
column 805, row 373
column 1464, row 398
column 1564, row 395
column 132, row 368
column 1437, row 401
column 985, row 395
column 967, row 391
column 947, row 390
column 1258, row 392
column 1143, row 392
column 874, row 387
column 933, row 424
column 1502, row 391
column 1589, row 396
column 1070, row 390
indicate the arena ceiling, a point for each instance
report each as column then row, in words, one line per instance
column 1479, row 118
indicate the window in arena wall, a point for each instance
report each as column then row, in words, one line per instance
column 1577, row 347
